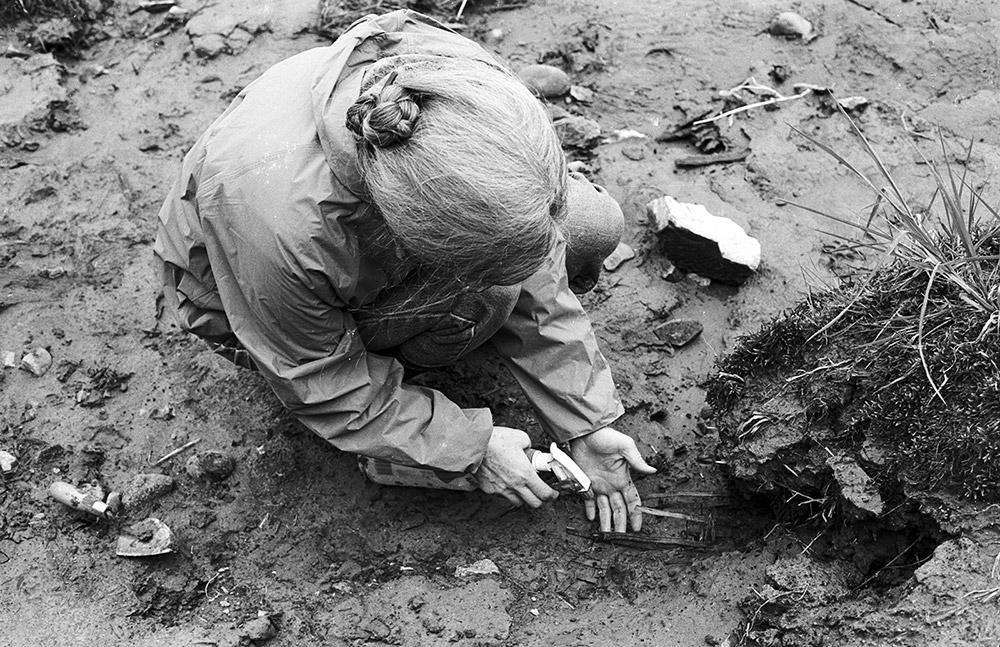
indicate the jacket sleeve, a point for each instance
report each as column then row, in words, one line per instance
column 287, row 315
column 549, row 345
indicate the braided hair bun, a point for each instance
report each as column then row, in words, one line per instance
column 384, row 117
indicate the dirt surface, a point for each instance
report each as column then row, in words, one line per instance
column 295, row 541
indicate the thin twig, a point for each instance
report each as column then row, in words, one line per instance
column 751, row 106
column 177, row 451
column 656, row 512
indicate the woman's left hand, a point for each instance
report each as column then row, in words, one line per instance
column 606, row 456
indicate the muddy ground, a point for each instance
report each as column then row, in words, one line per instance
column 295, row 535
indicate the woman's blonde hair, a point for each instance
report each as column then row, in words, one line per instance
column 462, row 163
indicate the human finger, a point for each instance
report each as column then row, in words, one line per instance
column 590, row 509
column 513, row 498
column 632, row 503
column 604, row 512
column 540, row 489
column 618, row 511
column 528, row 497
column 635, row 459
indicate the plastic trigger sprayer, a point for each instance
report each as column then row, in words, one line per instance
column 569, row 476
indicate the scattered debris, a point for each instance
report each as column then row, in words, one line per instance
column 143, row 489
column 623, row 134
column 180, row 449
column 7, row 461
column 678, row 332
column 88, row 498
column 791, row 24
column 577, row 132
column 37, row 362
column 752, row 87
column 697, row 241
column 65, row 369
column 693, row 161
column 147, row 538
column 210, row 465
column 701, row 131
column 622, row 253
column 105, row 378
column 639, row 540
column 166, row 412
column 14, row 52
column 547, row 81
column 481, row 567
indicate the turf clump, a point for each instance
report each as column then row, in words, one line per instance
column 894, row 371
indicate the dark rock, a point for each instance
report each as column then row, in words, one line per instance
column 210, row 465
column 546, row 80
column 791, row 24
column 678, row 332
column 260, row 630
column 696, row 241
column 577, row 132
column 143, row 489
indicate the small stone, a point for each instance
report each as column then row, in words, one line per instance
column 698, row 279
column 696, row 241
column 494, row 36
column 37, row 362
column 210, row 465
column 634, row 153
column 581, row 94
column 7, row 461
column 856, row 487
column 622, row 253
column 851, row 104
column 789, row 23
column 259, row 630
column 577, row 132
column 143, row 489
column 678, row 332
column 547, row 81
column 166, row 412
column 481, row 567
column 9, row 359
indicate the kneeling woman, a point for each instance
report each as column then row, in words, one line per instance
column 393, row 201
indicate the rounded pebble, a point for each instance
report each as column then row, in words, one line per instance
column 210, row 465
column 546, row 80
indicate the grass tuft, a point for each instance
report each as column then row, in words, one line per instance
column 918, row 333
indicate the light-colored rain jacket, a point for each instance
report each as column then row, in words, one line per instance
column 260, row 225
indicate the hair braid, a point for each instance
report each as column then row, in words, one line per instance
column 386, row 117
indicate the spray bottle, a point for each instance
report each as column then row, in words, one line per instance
column 566, row 475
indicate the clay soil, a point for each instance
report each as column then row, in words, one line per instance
column 296, row 535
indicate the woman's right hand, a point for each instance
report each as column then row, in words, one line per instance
column 506, row 470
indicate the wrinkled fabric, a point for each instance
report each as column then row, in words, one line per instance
column 258, row 240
